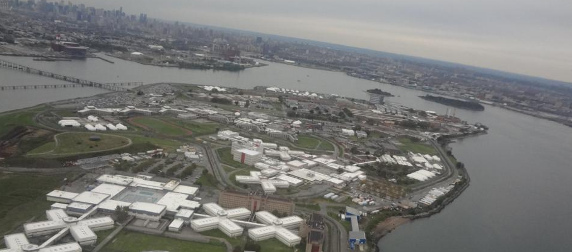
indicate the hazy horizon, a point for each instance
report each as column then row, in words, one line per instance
column 519, row 36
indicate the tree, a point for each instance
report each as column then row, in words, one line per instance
column 370, row 121
column 240, row 92
column 354, row 150
column 237, row 249
column 247, row 104
column 357, row 127
column 140, row 93
column 460, row 165
column 121, row 213
column 341, row 114
column 236, row 103
column 281, row 99
column 311, row 111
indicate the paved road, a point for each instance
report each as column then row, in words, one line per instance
column 110, row 237
column 340, row 236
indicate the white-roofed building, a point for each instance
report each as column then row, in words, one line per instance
column 58, row 205
column 115, row 179
column 173, row 201
column 222, row 219
column 246, row 156
column 109, row 206
column 83, row 235
column 108, row 189
column 293, row 181
column 278, row 228
column 15, row 241
column 91, row 197
column 147, row 211
column 61, row 196
column 188, row 190
column 185, row 215
column 176, row 225
column 67, row 247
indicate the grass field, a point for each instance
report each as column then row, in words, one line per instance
column 408, row 145
column 159, row 126
column 274, row 245
column 198, row 129
column 71, row 142
column 235, row 241
column 226, row 158
column 10, row 120
column 49, row 146
column 167, row 144
column 309, row 142
column 135, row 242
column 23, row 196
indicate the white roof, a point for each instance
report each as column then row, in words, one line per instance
column 90, row 197
column 289, row 179
column 265, row 217
column 173, row 201
column 111, row 205
column 309, row 175
column 249, row 152
column 205, row 221
column 189, row 190
column 351, row 168
column 184, row 213
column 62, row 194
column 115, row 179
column 97, row 222
column 43, row 226
column 229, row 226
column 212, row 208
column 335, row 181
column 176, row 223
column 267, row 231
column 78, row 205
column 237, row 213
column 68, row 247
column 58, row 205
column 56, row 214
column 291, row 221
column 287, row 235
column 15, row 241
column 82, row 233
column 108, row 189
column 268, row 187
column 147, row 207
column 297, row 164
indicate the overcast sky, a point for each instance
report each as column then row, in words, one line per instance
column 532, row 37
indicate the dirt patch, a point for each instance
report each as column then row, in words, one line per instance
column 391, row 223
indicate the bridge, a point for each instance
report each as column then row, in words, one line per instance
column 74, row 82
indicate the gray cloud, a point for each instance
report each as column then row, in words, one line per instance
column 522, row 36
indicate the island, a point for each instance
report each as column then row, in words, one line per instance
column 462, row 104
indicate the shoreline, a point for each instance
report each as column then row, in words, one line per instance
column 392, row 223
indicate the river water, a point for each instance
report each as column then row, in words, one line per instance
column 519, row 194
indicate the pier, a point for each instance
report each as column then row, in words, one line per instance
column 74, row 82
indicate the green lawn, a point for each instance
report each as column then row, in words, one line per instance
column 72, row 142
column 327, row 146
column 135, row 242
column 307, row 142
column 274, row 245
column 196, row 128
column 10, row 120
column 226, row 158
column 23, row 196
column 415, row 147
column 43, row 148
column 207, row 180
column 167, row 144
column 236, row 241
column 160, row 126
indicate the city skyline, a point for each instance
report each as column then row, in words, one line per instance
column 529, row 38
